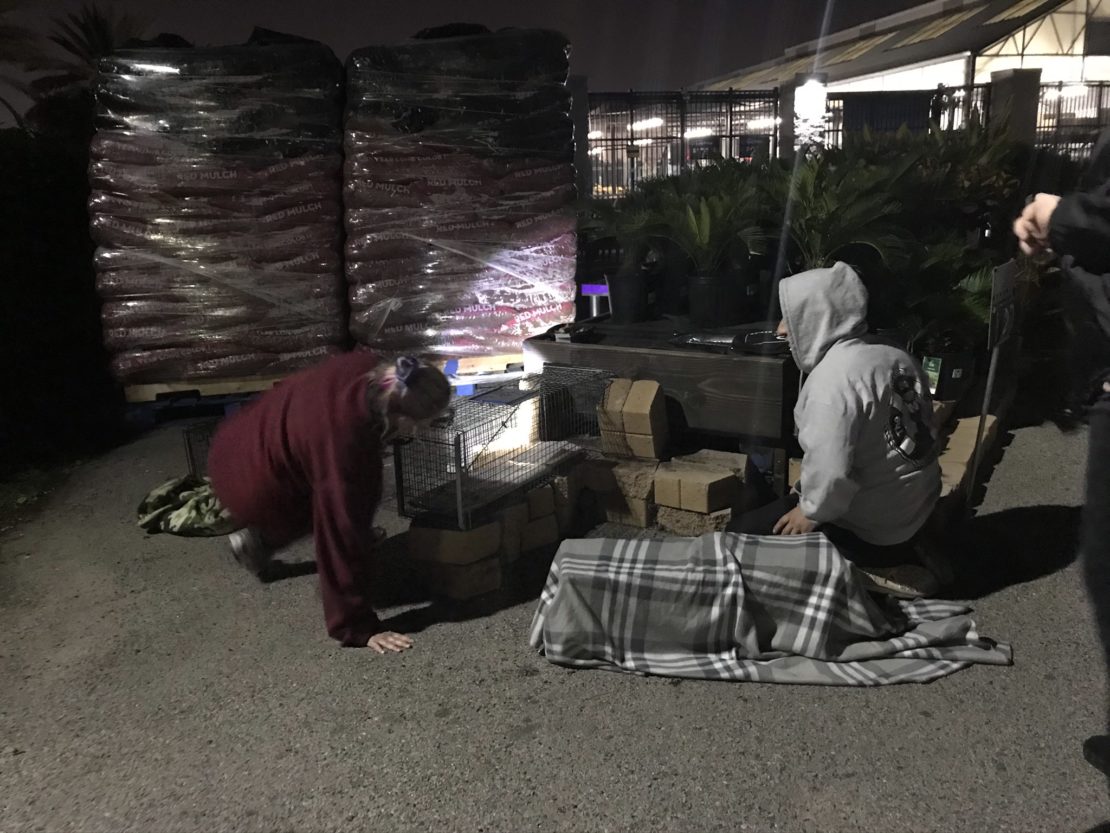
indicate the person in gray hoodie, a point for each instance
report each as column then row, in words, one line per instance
column 870, row 476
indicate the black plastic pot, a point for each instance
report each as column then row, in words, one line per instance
column 628, row 297
column 951, row 375
column 715, row 301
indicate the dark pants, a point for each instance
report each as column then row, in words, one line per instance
column 762, row 521
column 1095, row 536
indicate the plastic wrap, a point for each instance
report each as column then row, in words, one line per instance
column 459, row 193
column 217, row 207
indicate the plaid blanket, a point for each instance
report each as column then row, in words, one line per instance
column 737, row 607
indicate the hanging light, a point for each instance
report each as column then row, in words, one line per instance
column 647, row 124
column 698, row 132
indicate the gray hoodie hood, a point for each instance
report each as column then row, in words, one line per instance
column 822, row 307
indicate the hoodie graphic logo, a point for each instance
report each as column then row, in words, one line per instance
column 910, row 431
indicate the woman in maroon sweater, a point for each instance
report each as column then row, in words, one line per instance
column 307, row 457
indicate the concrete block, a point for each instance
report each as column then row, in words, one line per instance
column 728, row 460
column 691, row 524
column 541, row 502
column 463, row 581
column 513, row 520
column 615, row 444
column 567, row 488
column 629, row 511
column 539, row 533
column 597, row 476
column 610, row 413
column 635, row 479
column 449, row 546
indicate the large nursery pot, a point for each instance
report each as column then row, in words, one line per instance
column 950, row 374
column 628, row 297
column 715, row 300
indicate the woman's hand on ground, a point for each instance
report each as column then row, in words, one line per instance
column 794, row 523
column 389, row 641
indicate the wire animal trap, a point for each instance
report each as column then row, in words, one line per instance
column 497, row 442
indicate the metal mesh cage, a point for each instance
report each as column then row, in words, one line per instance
column 198, row 438
column 497, row 442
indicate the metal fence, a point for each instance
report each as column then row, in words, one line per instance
column 950, row 108
column 635, row 136
column 1071, row 116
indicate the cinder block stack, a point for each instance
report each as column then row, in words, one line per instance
column 633, row 419
column 458, row 565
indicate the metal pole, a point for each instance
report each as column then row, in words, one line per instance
column 460, row 482
column 629, row 141
column 728, row 107
column 987, row 395
column 682, row 131
column 775, row 136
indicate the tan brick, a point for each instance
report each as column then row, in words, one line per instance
column 645, row 447
column 448, row 546
column 541, row 502
column 644, row 409
column 610, row 413
column 691, row 524
column 668, row 479
column 542, row 532
column 707, row 490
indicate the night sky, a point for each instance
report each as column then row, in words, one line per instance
column 618, row 44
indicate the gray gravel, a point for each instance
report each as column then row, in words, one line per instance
column 147, row 684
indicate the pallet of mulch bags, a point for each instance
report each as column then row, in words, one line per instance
column 165, row 391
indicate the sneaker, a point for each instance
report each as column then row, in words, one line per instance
column 250, row 551
column 1096, row 750
column 906, row 581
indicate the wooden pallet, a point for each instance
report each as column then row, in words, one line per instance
column 213, row 387
column 478, row 364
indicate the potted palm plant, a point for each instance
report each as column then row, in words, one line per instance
column 719, row 235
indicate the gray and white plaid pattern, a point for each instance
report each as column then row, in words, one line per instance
column 739, row 607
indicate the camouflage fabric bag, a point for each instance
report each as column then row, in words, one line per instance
column 185, row 506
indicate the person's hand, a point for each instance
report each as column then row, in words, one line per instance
column 794, row 523
column 389, row 641
column 1031, row 228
